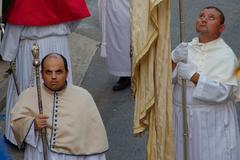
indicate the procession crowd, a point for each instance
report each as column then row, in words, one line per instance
column 73, row 126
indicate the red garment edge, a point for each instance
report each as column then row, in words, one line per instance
column 46, row 12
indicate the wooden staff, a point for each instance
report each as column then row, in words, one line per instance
column 36, row 64
column 12, row 72
column 184, row 91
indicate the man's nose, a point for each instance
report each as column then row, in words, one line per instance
column 54, row 75
column 203, row 19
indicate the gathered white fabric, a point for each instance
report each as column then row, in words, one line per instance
column 212, row 122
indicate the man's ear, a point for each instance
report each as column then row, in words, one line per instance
column 67, row 73
column 222, row 28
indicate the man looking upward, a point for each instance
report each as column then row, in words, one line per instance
column 207, row 64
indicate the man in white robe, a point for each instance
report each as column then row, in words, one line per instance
column 27, row 25
column 115, row 25
column 75, row 130
column 207, row 64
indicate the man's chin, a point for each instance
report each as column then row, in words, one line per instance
column 55, row 87
column 202, row 30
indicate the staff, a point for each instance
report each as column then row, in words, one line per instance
column 11, row 70
column 184, row 92
column 36, row 64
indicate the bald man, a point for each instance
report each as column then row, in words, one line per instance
column 74, row 126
